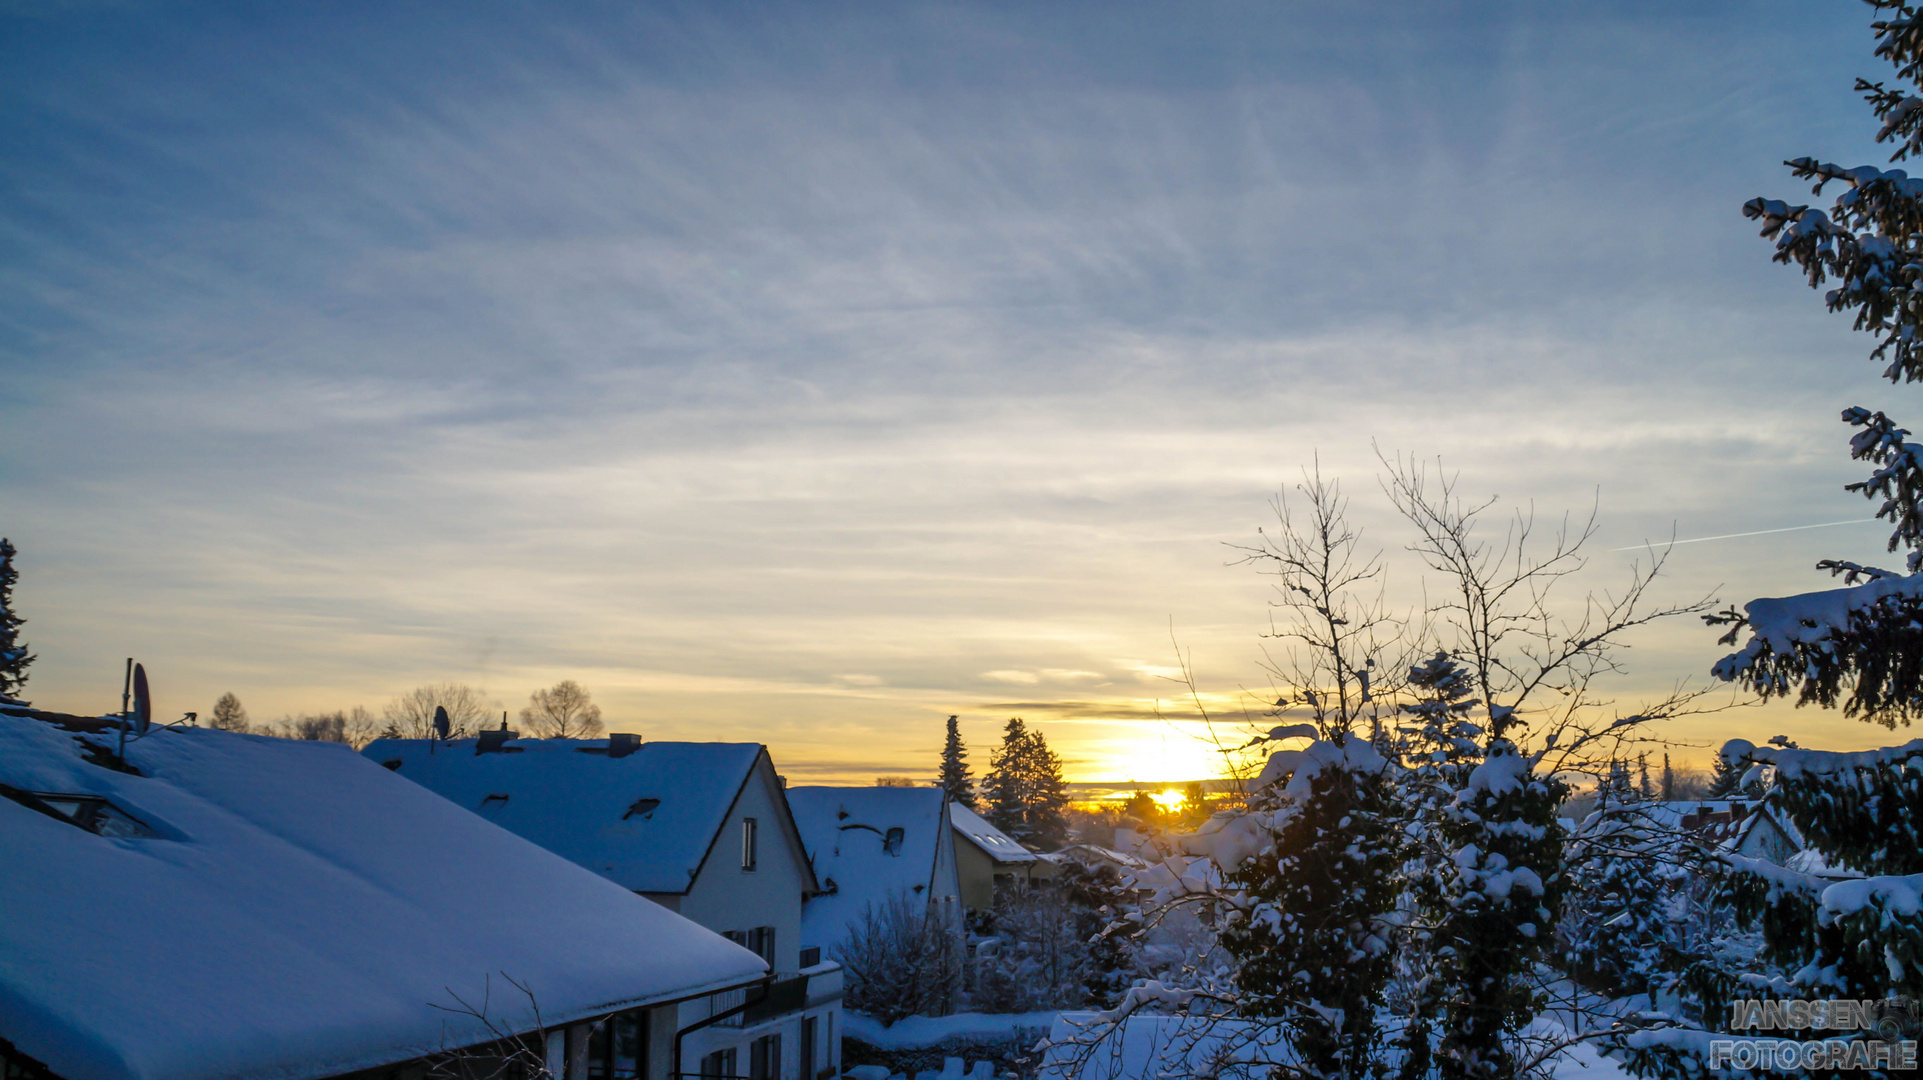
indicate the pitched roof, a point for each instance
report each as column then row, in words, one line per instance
column 644, row 821
column 993, row 842
column 292, row 910
column 847, row 830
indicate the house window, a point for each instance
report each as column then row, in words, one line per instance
column 748, row 843
column 764, row 1058
column 89, row 812
column 760, row 941
column 811, row 956
column 718, row 1065
column 618, row 1047
column 806, row 1056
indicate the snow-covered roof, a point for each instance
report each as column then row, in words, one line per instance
column 644, row 821
column 1095, row 853
column 847, row 832
column 993, row 842
column 260, row 907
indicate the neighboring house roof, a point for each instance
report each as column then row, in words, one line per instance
column 848, row 834
column 1095, row 853
column 247, row 906
column 1789, row 848
column 645, row 821
column 993, row 842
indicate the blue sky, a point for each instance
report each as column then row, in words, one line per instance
column 807, row 372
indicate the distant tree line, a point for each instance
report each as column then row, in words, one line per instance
column 563, row 711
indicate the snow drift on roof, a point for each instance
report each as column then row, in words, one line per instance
column 644, row 821
column 297, row 914
column 995, row 843
column 846, row 833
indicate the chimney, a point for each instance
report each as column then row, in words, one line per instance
column 490, row 741
column 622, row 743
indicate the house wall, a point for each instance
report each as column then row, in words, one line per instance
column 725, row 897
column 975, row 874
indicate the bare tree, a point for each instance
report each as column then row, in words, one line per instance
column 1500, row 602
column 229, row 714
column 563, row 712
column 1342, row 652
column 412, row 714
column 1538, row 659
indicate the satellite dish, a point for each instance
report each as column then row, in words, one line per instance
column 442, row 725
column 143, row 702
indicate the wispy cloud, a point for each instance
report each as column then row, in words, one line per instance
column 808, row 374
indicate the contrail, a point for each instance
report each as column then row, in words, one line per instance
column 1759, row 532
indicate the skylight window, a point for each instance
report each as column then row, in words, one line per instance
column 90, row 812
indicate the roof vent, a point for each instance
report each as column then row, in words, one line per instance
column 491, row 742
column 642, row 808
column 623, row 743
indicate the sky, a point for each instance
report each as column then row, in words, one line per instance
column 806, row 373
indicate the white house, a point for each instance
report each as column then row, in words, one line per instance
column 869, row 844
column 702, row 829
column 202, row 904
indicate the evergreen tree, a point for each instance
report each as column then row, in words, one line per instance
column 1504, row 907
column 954, row 767
column 1726, row 781
column 1312, row 937
column 1860, row 646
column 1613, row 939
column 1440, row 749
column 1669, row 781
column 228, row 714
column 1027, row 798
column 14, row 657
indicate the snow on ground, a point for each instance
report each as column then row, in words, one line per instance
column 275, row 908
column 920, row 1031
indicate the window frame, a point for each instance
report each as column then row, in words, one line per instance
column 750, row 845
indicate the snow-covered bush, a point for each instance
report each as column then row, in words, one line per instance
column 1047, row 947
column 901, row 960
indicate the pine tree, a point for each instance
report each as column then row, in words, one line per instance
column 1027, row 798
column 1440, row 747
column 1504, row 906
column 1312, row 938
column 14, row 657
column 228, row 714
column 1613, row 940
column 1861, row 646
column 954, row 767
column 1669, row 781
column 1004, row 785
column 1726, row 782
